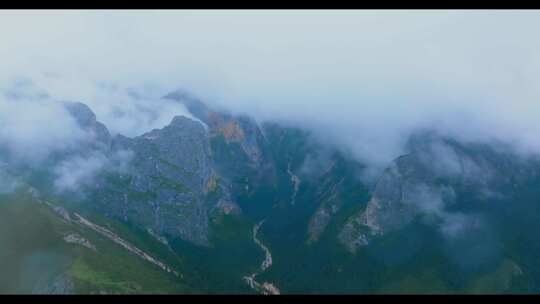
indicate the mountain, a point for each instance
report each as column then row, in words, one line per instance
column 219, row 203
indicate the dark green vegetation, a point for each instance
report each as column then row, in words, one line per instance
column 220, row 269
column 498, row 257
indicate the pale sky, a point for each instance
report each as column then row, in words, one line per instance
column 363, row 79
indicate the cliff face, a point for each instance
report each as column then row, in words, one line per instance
column 317, row 185
column 98, row 134
column 433, row 180
column 240, row 130
column 241, row 154
column 163, row 181
column 163, row 188
column 173, row 180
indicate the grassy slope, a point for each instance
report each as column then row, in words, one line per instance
column 32, row 251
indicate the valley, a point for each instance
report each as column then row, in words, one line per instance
column 190, row 202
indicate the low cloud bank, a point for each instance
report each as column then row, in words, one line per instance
column 78, row 170
column 361, row 80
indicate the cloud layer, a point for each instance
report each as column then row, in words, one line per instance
column 364, row 80
column 82, row 170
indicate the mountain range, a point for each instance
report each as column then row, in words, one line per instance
column 221, row 203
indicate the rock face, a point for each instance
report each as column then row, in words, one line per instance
column 170, row 185
column 98, row 134
column 386, row 211
column 328, row 194
column 238, row 144
column 426, row 182
column 337, row 192
column 74, row 238
column 177, row 176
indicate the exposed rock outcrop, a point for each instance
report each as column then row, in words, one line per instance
column 426, row 181
column 171, row 184
column 98, row 134
column 74, row 238
column 115, row 238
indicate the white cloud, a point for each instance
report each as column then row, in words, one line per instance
column 430, row 201
column 363, row 79
column 32, row 128
column 80, row 170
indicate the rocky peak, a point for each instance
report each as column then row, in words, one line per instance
column 186, row 124
column 87, row 120
column 174, row 180
column 171, row 187
column 81, row 112
column 196, row 107
column 235, row 129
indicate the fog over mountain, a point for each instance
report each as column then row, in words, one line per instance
column 363, row 80
column 269, row 152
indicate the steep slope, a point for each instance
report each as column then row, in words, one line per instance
column 163, row 181
column 433, row 180
column 44, row 250
column 166, row 186
column 241, row 154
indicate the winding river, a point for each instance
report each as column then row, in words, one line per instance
column 265, row 287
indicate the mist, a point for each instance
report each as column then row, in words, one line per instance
column 76, row 171
column 361, row 80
